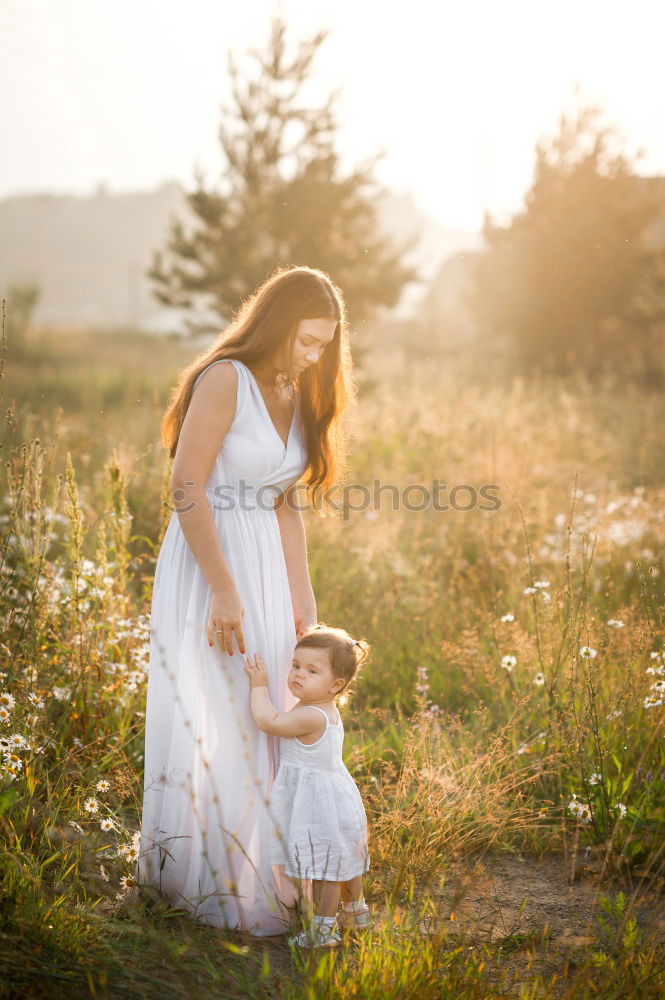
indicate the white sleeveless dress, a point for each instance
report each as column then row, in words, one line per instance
column 319, row 824
column 205, row 827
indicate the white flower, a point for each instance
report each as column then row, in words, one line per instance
column 615, row 622
column 654, row 656
column 107, row 824
column 530, row 590
column 545, row 596
column 18, row 742
column 539, row 679
column 103, row 873
column 509, row 617
column 523, row 748
column 91, row 805
column 35, row 700
column 76, row 826
column 126, row 881
column 508, row 662
column 7, row 700
column 541, row 583
column 656, row 670
column 614, row 715
column 595, row 778
column 580, row 810
column 12, row 760
column 131, row 854
column 103, row 785
column 621, row 807
column 5, row 714
column 587, row 653
column 123, row 848
column 136, row 840
column 658, row 686
column 651, row 701
column 61, row 693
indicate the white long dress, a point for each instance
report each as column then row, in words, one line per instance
column 206, row 819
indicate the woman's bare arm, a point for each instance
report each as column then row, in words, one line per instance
column 208, row 418
column 294, row 543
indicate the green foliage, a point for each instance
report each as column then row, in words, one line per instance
column 284, row 201
column 575, row 281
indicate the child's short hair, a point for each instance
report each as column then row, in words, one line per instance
column 346, row 654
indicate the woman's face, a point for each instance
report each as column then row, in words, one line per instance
column 312, row 338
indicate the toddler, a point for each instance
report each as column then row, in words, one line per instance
column 321, row 826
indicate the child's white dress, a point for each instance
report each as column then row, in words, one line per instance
column 316, row 806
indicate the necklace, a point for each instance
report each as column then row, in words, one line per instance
column 284, row 383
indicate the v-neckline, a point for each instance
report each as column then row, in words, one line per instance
column 267, row 413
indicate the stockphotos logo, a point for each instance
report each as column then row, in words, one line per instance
column 347, row 499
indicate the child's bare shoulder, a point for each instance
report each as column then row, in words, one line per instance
column 309, row 715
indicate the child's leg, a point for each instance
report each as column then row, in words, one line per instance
column 325, row 897
column 352, row 891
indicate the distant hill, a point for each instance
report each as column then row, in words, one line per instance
column 89, row 254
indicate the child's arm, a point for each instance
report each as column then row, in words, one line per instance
column 300, row 721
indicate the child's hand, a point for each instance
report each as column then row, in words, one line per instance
column 257, row 673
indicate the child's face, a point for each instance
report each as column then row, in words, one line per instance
column 311, row 678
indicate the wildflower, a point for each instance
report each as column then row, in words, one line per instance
column 615, row 622
column 136, row 840
column 7, row 700
column 595, row 778
column 19, row 742
column 103, row 872
column 103, row 785
column 13, row 760
column 530, row 590
column 651, row 701
column 509, row 617
column 91, row 805
column 11, row 771
column 587, row 653
column 131, row 854
column 655, row 670
column 658, row 686
column 35, row 700
column 614, row 715
column 122, row 850
column 5, row 714
column 76, row 826
column 542, row 812
column 106, row 824
column 539, row 679
column 575, row 807
column 508, row 662
column 654, row 656
column 585, row 813
column 621, row 807
column 541, row 583
column 61, row 693
column 32, row 720
column 523, row 748
column 545, row 596
column 127, row 881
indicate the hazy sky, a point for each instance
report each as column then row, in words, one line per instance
column 127, row 92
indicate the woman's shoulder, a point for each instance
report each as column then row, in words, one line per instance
column 222, row 372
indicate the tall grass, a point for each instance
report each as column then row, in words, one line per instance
column 514, row 701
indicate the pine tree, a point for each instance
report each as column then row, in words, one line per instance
column 573, row 282
column 284, row 202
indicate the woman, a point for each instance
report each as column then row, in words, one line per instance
column 257, row 412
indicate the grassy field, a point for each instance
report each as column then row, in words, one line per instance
column 506, row 735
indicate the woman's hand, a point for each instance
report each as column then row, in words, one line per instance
column 304, row 613
column 256, row 671
column 226, row 613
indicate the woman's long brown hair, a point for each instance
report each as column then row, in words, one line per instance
column 266, row 322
